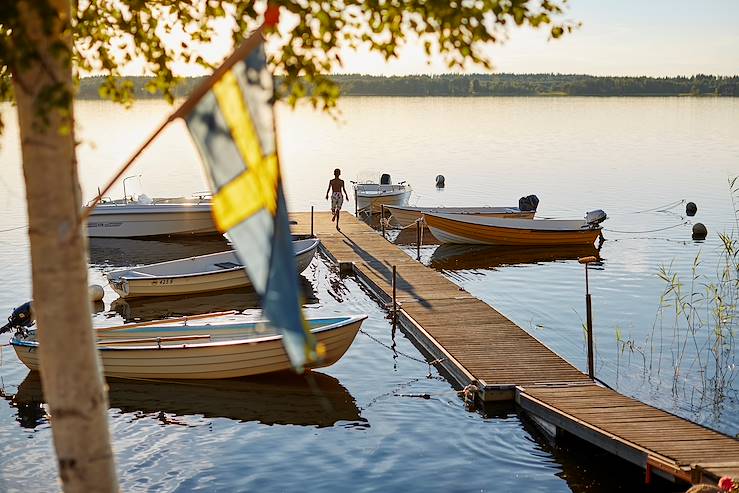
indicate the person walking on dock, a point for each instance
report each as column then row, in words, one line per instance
column 336, row 186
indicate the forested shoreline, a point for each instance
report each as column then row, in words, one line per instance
column 486, row 85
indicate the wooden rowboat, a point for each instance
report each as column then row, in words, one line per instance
column 180, row 350
column 204, row 273
column 456, row 228
column 405, row 216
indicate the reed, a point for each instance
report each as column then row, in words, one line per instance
column 691, row 343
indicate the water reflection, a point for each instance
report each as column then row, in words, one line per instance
column 461, row 257
column 125, row 252
column 155, row 308
column 314, row 399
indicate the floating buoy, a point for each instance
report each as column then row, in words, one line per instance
column 440, row 181
column 699, row 231
column 691, row 209
column 96, row 292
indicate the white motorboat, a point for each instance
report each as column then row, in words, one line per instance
column 405, row 216
column 203, row 273
column 145, row 216
column 371, row 196
column 180, row 349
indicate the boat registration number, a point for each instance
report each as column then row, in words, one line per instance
column 162, row 282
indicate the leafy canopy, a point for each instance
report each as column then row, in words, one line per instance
column 157, row 34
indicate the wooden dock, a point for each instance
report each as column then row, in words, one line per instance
column 476, row 345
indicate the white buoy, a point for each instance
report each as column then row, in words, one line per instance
column 96, row 292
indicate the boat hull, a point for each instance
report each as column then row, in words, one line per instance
column 182, row 284
column 451, row 230
column 405, row 216
column 138, row 221
column 371, row 197
column 229, row 359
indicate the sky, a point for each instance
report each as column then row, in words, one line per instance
column 617, row 37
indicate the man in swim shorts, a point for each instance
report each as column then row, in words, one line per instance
column 336, row 186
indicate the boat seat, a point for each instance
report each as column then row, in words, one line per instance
column 227, row 265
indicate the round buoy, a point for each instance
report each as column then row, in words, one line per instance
column 699, row 231
column 96, row 292
column 691, row 209
column 439, row 181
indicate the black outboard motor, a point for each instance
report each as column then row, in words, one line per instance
column 19, row 319
column 528, row 203
column 385, row 179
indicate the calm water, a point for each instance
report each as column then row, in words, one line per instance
column 361, row 423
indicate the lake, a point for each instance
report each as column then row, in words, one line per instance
column 379, row 420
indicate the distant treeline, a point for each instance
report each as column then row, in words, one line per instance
column 491, row 85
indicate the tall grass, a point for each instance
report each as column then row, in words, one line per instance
column 691, row 344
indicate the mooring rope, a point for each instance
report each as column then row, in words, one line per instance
column 647, row 230
column 419, row 360
column 661, row 208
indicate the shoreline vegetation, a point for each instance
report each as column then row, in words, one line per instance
column 473, row 85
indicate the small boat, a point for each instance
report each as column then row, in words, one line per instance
column 456, row 228
column 180, row 349
column 372, row 196
column 204, row 273
column 404, row 216
column 146, row 217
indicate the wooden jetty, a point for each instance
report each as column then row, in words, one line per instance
column 476, row 345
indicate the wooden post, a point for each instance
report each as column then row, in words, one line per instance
column 589, row 315
column 418, row 239
column 395, row 304
column 382, row 219
column 311, row 220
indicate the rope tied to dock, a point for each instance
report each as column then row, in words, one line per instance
column 395, row 351
column 647, row 230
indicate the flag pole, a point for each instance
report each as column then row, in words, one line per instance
column 197, row 94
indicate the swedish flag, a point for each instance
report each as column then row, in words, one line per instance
column 233, row 128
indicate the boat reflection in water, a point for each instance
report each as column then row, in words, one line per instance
column 155, row 308
column 124, row 252
column 313, row 399
column 463, row 257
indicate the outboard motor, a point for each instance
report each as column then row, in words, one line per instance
column 19, row 319
column 594, row 218
column 385, row 179
column 528, row 203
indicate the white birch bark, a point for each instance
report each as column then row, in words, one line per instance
column 70, row 370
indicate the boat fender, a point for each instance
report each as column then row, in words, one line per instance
column 691, row 209
column 699, row 231
column 594, row 218
column 20, row 318
column 385, row 179
column 96, row 292
column 440, row 181
column 528, row 203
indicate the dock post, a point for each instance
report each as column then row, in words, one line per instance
column 382, row 219
column 311, row 221
column 589, row 314
column 418, row 239
column 395, row 304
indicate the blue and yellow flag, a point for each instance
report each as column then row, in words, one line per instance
column 233, row 128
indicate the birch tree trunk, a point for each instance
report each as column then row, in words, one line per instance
column 70, row 371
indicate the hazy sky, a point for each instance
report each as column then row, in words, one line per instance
column 622, row 37
column 617, row 37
